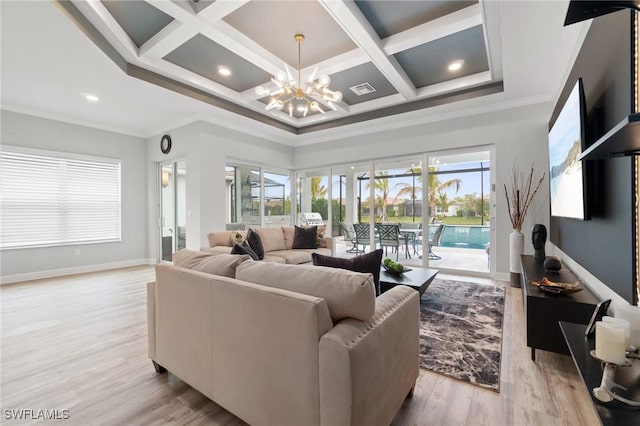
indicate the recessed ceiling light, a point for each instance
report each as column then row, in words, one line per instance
column 222, row 70
column 456, row 65
column 91, row 98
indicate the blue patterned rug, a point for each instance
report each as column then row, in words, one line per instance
column 461, row 331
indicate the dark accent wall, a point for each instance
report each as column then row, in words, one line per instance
column 604, row 245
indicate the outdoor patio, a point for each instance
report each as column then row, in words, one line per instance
column 464, row 259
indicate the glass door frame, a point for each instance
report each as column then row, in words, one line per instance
column 426, row 156
column 262, row 169
column 174, row 182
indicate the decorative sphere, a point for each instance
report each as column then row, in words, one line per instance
column 552, row 264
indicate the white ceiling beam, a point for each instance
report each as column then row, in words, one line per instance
column 492, row 37
column 378, row 103
column 429, row 31
column 339, row 63
column 452, row 85
column 166, row 40
column 353, row 22
column 104, row 22
column 221, row 8
column 224, row 35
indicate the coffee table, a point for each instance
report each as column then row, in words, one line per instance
column 418, row 279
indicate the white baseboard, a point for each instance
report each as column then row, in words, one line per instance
column 502, row 276
column 9, row 279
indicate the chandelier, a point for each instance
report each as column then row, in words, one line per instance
column 291, row 94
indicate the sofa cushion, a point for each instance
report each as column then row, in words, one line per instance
column 294, row 257
column 244, row 248
column 325, row 251
column 272, row 238
column 369, row 262
column 274, row 259
column 289, row 233
column 305, row 238
column 220, row 238
column 217, row 250
column 216, row 264
column 255, row 242
column 348, row 294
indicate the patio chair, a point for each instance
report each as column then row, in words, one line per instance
column 350, row 236
column 389, row 236
column 363, row 235
column 412, row 234
column 435, row 241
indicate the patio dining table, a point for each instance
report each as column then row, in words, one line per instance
column 414, row 233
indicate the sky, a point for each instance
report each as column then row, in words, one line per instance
column 565, row 130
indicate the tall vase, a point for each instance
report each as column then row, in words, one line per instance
column 516, row 248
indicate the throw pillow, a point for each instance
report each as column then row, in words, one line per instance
column 237, row 237
column 369, row 262
column 320, row 242
column 244, row 248
column 305, row 238
column 255, row 242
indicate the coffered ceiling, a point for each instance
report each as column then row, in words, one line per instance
column 400, row 50
column 153, row 64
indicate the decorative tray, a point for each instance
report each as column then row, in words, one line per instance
column 394, row 272
column 552, row 287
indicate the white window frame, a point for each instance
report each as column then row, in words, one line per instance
column 66, row 204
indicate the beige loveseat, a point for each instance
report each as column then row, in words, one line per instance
column 277, row 243
column 286, row 345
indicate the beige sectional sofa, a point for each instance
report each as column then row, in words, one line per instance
column 282, row 344
column 277, row 242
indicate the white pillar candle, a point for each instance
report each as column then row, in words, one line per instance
column 632, row 314
column 622, row 323
column 610, row 342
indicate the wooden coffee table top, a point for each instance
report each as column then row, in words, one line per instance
column 418, row 279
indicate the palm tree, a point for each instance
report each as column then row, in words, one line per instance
column 318, row 190
column 434, row 186
column 381, row 184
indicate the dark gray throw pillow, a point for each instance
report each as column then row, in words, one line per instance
column 305, row 238
column 369, row 262
column 255, row 242
column 244, row 248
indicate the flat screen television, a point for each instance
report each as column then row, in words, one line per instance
column 567, row 174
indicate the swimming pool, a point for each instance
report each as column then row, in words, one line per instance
column 463, row 236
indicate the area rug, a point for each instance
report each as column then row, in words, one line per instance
column 461, row 331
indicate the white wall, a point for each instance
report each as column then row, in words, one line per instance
column 29, row 131
column 206, row 148
column 519, row 135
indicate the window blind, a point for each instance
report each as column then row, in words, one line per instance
column 50, row 199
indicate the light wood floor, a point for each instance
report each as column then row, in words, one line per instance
column 79, row 343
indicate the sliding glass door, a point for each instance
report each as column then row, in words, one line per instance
column 459, row 199
column 173, row 218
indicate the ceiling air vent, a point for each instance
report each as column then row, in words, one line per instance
column 362, row 89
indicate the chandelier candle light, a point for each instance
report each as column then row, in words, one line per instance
column 291, row 93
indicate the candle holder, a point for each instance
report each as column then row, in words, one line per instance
column 604, row 392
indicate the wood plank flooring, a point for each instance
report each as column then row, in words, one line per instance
column 79, row 343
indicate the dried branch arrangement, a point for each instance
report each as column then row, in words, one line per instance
column 519, row 195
